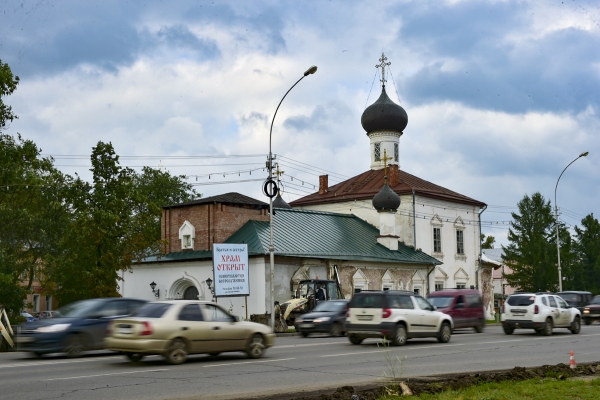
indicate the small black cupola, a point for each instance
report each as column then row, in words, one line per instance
column 279, row 202
column 386, row 199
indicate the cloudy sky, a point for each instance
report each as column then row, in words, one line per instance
column 501, row 95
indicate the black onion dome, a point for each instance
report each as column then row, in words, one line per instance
column 386, row 199
column 279, row 202
column 384, row 115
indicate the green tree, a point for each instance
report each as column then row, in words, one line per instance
column 33, row 214
column 116, row 222
column 531, row 252
column 587, row 249
column 8, row 84
column 487, row 242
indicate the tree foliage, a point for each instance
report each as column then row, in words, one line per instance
column 587, row 250
column 531, row 252
column 487, row 242
column 8, row 84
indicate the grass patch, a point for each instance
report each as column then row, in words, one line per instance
column 491, row 321
column 536, row 389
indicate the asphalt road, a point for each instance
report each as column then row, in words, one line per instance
column 294, row 364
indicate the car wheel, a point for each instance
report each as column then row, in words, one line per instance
column 336, row 330
column 400, row 336
column 256, row 346
column 588, row 321
column 508, row 329
column 214, row 354
column 548, row 326
column 37, row 354
column 74, row 346
column 177, row 352
column 479, row 327
column 134, row 357
column 445, row 333
column 304, row 334
column 355, row 339
column 576, row 326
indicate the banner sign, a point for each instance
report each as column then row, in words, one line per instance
column 230, row 266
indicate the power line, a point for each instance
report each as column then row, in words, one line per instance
column 314, row 167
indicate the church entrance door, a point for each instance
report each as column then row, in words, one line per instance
column 190, row 293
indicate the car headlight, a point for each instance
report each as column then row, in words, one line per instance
column 53, row 328
column 298, row 319
column 322, row 319
column 586, row 311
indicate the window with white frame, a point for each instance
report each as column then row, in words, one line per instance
column 461, row 285
column 439, row 285
column 460, row 242
column 359, row 281
column 437, row 239
column 387, row 281
column 377, row 151
column 187, row 234
column 36, row 302
column 48, row 303
column 417, row 290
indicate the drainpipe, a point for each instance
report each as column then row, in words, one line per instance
column 414, row 222
column 480, row 250
column 428, row 284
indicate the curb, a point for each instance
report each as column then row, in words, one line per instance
column 285, row 334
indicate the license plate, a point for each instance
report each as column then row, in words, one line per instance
column 125, row 331
column 365, row 317
column 306, row 325
column 519, row 311
column 25, row 339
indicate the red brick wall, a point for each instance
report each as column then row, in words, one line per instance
column 214, row 223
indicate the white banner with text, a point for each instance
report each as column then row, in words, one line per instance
column 230, row 264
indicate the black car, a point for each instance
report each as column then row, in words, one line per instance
column 577, row 299
column 326, row 317
column 77, row 327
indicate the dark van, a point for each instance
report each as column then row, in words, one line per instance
column 463, row 305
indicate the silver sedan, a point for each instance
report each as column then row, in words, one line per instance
column 177, row 328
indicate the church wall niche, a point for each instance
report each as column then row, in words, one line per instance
column 402, row 277
column 374, row 276
column 346, row 272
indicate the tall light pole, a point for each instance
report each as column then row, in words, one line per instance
column 556, row 220
column 270, row 189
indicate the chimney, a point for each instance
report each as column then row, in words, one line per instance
column 323, row 184
column 393, row 175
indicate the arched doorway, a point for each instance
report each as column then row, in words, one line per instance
column 190, row 293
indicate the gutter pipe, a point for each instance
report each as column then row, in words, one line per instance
column 480, row 250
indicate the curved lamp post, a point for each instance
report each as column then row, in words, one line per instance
column 556, row 219
column 272, row 194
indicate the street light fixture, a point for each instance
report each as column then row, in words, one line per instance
column 270, row 190
column 556, row 219
column 157, row 291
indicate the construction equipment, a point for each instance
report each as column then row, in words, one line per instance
column 308, row 294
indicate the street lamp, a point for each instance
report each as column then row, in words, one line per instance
column 556, row 219
column 270, row 190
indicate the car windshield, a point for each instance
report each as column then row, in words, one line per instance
column 441, row 301
column 521, row 300
column 570, row 297
column 596, row 300
column 152, row 310
column 330, row 306
column 367, row 300
column 78, row 309
column 305, row 289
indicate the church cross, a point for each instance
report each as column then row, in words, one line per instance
column 385, row 159
column 383, row 64
column 278, row 173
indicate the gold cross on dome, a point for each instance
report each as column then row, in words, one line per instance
column 278, row 172
column 383, row 64
column 385, row 159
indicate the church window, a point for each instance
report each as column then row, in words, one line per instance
column 460, row 247
column 439, row 286
column 187, row 241
column 396, row 152
column 437, row 240
column 187, row 233
column 377, row 151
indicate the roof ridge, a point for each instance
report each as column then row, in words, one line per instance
column 314, row 212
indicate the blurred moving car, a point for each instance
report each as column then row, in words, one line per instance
column 76, row 327
column 541, row 312
column 47, row 314
column 326, row 317
column 463, row 305
column 591, row 312
column 28, row 317
column 395, row 314
column 177, row 328
column 577, row 299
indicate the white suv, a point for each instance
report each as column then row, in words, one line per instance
column 397, row 315
column 541, row 312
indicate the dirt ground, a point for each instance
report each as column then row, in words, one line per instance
column 438, row 384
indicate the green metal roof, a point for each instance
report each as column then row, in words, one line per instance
column 313, row 234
